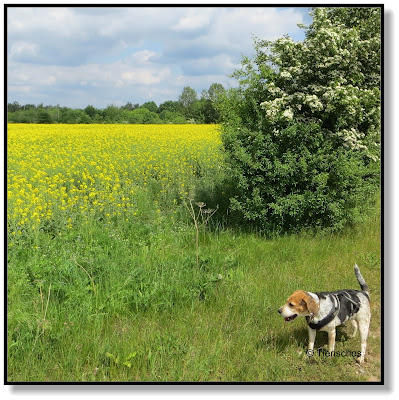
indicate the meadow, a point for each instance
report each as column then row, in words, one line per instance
column 103, row 282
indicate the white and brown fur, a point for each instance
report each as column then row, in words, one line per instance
column 336, row 308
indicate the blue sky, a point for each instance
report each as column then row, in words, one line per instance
column 76, row 56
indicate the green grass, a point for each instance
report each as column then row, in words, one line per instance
column 128, row 303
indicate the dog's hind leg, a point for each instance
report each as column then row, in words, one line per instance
column 364, row 325
column 354, row 324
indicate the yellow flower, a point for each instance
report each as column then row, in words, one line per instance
column 55, row 171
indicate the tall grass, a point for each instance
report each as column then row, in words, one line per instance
column 153, row 316
column 130, row 302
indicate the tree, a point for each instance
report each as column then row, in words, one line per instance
column 13, row 107
column 83, row 118
column 215, row 92
column 129, row 106
column 169, row 105
column 171, row 117
column 90, row 111
column 150, row 105
column 69, row 116
column 188, row 96
column 43, row 117
column 302, row 129
column 112, row 114
column 188, row 99
column 210, row 99
column 142, row 116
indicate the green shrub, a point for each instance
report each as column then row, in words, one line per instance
column 296, row 179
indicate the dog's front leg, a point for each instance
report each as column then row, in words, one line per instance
column 312, row 337
column 331, row 340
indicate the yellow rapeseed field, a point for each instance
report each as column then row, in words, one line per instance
column 62, row 172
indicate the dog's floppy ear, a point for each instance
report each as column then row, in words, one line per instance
column 311, row 304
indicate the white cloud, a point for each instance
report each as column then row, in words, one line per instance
column 115, row 74
column 143, row 76
column 102, row 55
column 24, row 49
column 20, row 89
column 194, row 19
column 58, row 21
column 142, row 56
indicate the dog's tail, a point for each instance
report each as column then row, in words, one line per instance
column 361, row 280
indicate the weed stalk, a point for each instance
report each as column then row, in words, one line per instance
column 205, row 215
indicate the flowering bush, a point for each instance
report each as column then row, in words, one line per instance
column 302, row 130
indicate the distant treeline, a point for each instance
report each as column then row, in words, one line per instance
column 187, row 109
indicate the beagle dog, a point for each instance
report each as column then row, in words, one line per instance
column 326, row 310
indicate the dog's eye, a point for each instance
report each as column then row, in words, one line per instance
column 291, row 305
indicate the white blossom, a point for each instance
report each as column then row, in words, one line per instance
column 313, row 102
column 285, row 74
column 322, row 79
column 288, row 114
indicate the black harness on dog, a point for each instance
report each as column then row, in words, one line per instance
column 323, row 322
column 346, row 304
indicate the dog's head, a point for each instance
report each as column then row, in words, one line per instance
column 301, row 304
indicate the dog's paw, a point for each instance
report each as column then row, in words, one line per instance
column 360, row 360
